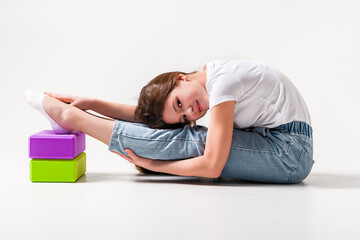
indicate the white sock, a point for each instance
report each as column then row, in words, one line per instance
column 35, row 99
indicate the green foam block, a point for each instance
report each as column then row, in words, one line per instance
column 57, row 170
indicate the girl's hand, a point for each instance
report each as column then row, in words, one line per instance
column 79, row 102
column 124, row 157
column 135, row 159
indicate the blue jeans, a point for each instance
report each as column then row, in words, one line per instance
column 283, row 154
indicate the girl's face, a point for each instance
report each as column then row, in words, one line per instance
column 188, row 101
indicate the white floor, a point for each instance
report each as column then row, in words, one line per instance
column 110, row 49
column 112, row 201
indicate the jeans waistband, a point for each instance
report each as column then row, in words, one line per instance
column 296, row 127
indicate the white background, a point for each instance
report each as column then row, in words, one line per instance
column 110, row 49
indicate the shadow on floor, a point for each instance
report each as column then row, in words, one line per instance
column 315, row 180
column 170, row 179
column 203, row 181
column 105, row 177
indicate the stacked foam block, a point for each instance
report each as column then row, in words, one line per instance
column 57, row 157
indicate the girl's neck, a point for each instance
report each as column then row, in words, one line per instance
column 198, row 77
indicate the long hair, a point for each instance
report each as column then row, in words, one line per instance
column 151, row 104
column 152, row 100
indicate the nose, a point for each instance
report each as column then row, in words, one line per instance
column 190, row 110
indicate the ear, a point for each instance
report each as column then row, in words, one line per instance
column 183, row 77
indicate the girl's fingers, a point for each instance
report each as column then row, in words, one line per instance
column 130, row 153
column 135, row 159
column 63, row 98
column 141, row 161
column 124, row 157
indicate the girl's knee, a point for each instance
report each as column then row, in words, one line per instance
column 69, row 118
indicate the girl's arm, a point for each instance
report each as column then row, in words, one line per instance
column 113, row 110
column 109, row 109
column 217, row 149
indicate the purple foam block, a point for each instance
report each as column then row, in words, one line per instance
column 49, row 145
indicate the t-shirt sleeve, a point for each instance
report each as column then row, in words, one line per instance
column 224, row 86
column 220, row 94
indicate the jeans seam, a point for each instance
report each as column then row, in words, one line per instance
column 290, row 174
column 297, row 160
column 300, row 135
column 160, row 140
column 304, row 143
column 112, row 138
column 254, row 150
column 190, row 140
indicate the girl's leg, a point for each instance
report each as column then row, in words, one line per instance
column 260, row 154
column 72, row 118
column 162, row 144
column 283, row 154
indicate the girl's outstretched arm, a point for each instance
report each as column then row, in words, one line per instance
column 217, row 149
column 109, row 109
column 113, row 110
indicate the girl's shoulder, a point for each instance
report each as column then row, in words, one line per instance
column 234, row 69
column 220, row 63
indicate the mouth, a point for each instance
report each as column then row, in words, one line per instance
column 199, row 107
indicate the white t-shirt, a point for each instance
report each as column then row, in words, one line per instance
column 264, row 96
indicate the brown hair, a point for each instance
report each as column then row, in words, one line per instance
column 152, row 100
column 151, row 104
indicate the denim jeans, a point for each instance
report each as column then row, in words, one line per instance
column 283, row 154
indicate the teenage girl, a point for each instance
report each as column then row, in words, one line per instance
column 259, row 130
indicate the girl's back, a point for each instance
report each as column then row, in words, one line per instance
column 264, row 96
